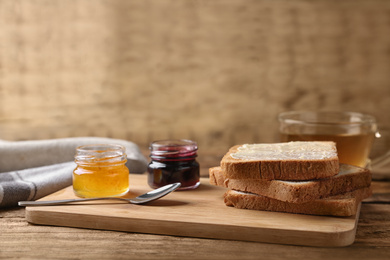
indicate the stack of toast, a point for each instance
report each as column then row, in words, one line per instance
column 293, row 177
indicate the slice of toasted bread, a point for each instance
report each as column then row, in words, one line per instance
column 348, row 179
column 281, row 161
column 341, row 205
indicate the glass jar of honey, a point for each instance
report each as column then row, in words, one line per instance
column 173, row 161
column 100, row 171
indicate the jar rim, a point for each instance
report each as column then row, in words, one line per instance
column 326, row 118
column 100, row 147
column 174, row 143
column 100, row 154
column 182, row 148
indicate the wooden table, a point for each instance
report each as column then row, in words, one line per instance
column 19, row 239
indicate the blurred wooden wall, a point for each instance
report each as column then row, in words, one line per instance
column 216, row 71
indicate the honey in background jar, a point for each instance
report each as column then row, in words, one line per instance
column 351, row 149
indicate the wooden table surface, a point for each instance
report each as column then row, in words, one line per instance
column 21, row 240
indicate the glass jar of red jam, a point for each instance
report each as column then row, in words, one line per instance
column 173, row 161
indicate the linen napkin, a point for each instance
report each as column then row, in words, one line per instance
column 30, row 170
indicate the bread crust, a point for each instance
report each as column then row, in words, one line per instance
column 282, row 169
column 348, row 179
column 343, row 205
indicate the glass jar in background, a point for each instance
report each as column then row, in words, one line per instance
column 100, row 171
column 173, row 161
column 380, row 155
column 352, row 132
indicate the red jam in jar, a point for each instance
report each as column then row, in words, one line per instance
column 173, row 161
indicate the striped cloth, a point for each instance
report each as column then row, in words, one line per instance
column 30, row 170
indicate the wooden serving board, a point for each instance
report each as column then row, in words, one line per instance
column 195, row 213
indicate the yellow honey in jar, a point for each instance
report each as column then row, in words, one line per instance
column 100, row 171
